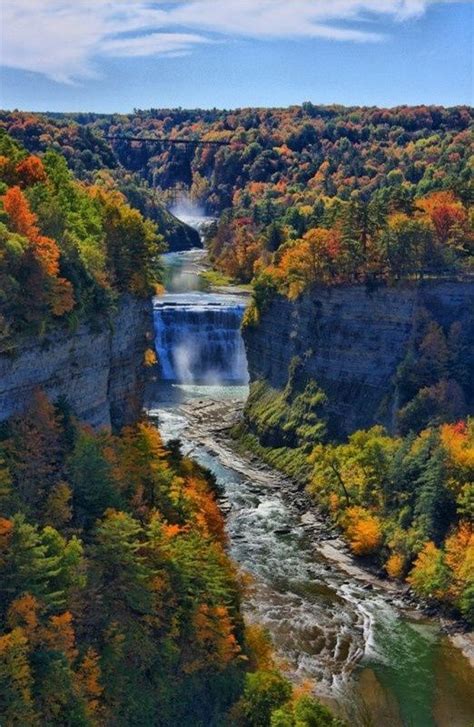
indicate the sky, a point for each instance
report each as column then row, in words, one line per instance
column 117, row 55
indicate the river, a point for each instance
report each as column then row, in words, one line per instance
column 360, row 650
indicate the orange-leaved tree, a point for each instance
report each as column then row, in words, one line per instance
column 41, row 259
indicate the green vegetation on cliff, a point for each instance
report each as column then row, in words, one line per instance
column 283, row 426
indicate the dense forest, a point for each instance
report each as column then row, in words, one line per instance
column 304, row 151
column 118, row 603
column 307, row 194
column 68, row 249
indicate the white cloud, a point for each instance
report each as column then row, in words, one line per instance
column 65, row 40
column 169, row 44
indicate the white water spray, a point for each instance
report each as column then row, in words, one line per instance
column 191, row 213
column 198, row 339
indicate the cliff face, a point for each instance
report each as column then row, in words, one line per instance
column 351, row 342
column 98, row 371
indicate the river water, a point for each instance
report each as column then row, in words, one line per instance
column 360, row 652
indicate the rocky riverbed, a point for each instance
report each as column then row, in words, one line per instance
column 362, row 641
column 211, row 423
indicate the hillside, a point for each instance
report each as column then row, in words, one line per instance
column 330, row 150
column 284, row 172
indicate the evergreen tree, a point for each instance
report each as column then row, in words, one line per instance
column 91, row 479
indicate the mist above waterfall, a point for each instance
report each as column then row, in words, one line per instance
column 185, row 208
column 191, row 213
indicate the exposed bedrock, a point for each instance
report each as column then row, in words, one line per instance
column 351, row 341
column 99, row 369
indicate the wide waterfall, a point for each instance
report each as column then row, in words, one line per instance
column 198, row 340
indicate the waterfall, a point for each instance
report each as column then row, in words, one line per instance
column 192, row 213
column 198, row 339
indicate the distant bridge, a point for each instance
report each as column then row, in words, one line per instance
column 169, row 140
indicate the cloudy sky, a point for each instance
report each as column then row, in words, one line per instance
column 114, row 55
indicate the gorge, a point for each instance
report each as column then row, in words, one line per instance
column 356, row 643
column 351, row 340
column 351, row 639
column 262, row 418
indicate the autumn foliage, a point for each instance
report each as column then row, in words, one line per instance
column 363, row 531
column 408, row 502
column 114, row 581
column 62, row 646
column 42, row 256
column 66, row 249
column 392, row 186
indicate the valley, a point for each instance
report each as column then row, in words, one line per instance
column 236, row 433
column 353, row 637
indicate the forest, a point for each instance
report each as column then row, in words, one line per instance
column 118, row 603
column 305, row 194
column 62, row 254
column 303, row 151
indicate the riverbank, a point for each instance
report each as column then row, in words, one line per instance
column 191, row 271
column 210, row 425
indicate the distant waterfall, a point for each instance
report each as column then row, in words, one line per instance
column 198, row 340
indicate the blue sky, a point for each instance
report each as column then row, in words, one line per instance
column 116, row 55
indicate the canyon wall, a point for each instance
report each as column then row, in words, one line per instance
column 98, row 369
column 351, row 341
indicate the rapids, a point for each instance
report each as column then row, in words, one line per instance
column 357, row 647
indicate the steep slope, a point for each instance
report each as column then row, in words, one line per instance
column 98, row 370
column 351, row 342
